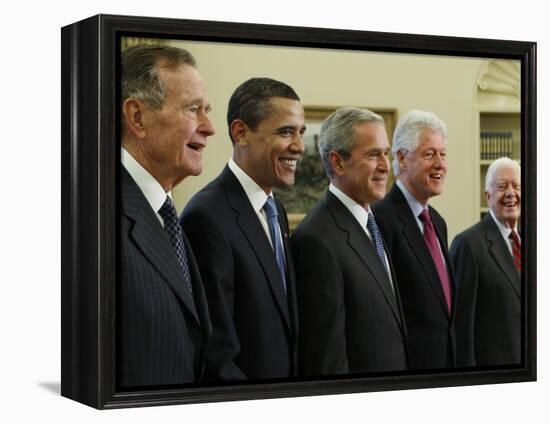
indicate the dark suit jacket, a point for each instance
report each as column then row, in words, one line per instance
column 254, row 322
column 430, row 329
column 350, row 319
column 164, row 332
column 488, row 310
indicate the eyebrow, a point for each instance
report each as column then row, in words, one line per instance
column 196, row 100
column 289, row 127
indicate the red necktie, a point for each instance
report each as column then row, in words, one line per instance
column 433, row 246
column 516, row 249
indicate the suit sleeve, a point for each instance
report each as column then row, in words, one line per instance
column 322, row 317
column 466, row 277
column 215, row 260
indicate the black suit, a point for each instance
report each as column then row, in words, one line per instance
column 430, row 329
column 254, row 322
column 164, row 332
column 350, row 318
column 488, row 309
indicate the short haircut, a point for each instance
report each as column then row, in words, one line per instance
column 140, row 77
column 406, row 136
column 495, row 165
column 338, row 133
column 251, row 101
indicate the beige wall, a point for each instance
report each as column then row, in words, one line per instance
column 444, row 85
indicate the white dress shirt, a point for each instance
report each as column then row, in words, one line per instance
column 417, row 208
column 256, row 196
column 505, row 230
column 359, row 213
column 149, row 186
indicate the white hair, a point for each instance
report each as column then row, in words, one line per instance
column 497, row 164
column 406, row 136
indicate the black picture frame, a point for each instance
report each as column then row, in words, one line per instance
column 90, row 156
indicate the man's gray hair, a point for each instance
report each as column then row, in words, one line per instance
column 495, row 165
column 140, row 77
column 406, row 136
column 338, row 133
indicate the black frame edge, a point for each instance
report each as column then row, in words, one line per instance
column 80, row 366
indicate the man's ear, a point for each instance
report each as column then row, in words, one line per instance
column 401, row 160
column 336, row 162
column 133, row 111
column 238, row 130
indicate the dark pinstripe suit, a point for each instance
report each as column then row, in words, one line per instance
column 163, row 331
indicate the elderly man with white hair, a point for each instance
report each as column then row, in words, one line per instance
column 416, row 237
column 487, row 261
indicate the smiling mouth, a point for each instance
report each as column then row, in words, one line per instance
column 510, row 204
column 196, row 146
column 289, row 163
column 438, row 176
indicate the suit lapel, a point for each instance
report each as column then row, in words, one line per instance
column 415, row 239
column 500, row 253
column 364, row 249
column 252, row 229
column 149, row 236
column 291, row 276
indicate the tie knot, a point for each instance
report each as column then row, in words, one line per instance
column 270, row 208
column 167, row 211
column 425, row 216
column 514, row 236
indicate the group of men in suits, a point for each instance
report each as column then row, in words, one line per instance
column 365, row 283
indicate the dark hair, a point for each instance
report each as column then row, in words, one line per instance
column 251, row 101
column 139, row 71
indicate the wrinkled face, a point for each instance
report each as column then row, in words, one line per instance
column 364, row 175
column 271, row 151
column 175, row 135
column 423, row 171
column 504, row 195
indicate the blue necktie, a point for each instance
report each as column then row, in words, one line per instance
column 271, row 212
column 175, row 234
column 377, row 239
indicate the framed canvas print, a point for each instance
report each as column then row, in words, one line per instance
column 176, row 290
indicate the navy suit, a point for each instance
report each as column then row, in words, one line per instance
column 350, row 318
column 163, row 330
column 430, row 329
column 254, row 322
column 488, row 315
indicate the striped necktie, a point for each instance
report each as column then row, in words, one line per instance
column 274, row 230
column 175, row 234
column 432, row 243
column 516, row 249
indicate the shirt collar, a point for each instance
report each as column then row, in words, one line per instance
column 359, row 212
column 415, row 205
column 151, row 188
column 254, row 192
column 505, row 230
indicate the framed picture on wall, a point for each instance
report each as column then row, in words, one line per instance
column 481, row 88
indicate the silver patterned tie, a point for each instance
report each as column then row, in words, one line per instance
column 175, row 234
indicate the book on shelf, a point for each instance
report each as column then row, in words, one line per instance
column 495, row 144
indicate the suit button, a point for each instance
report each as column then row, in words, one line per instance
column 194, row 333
